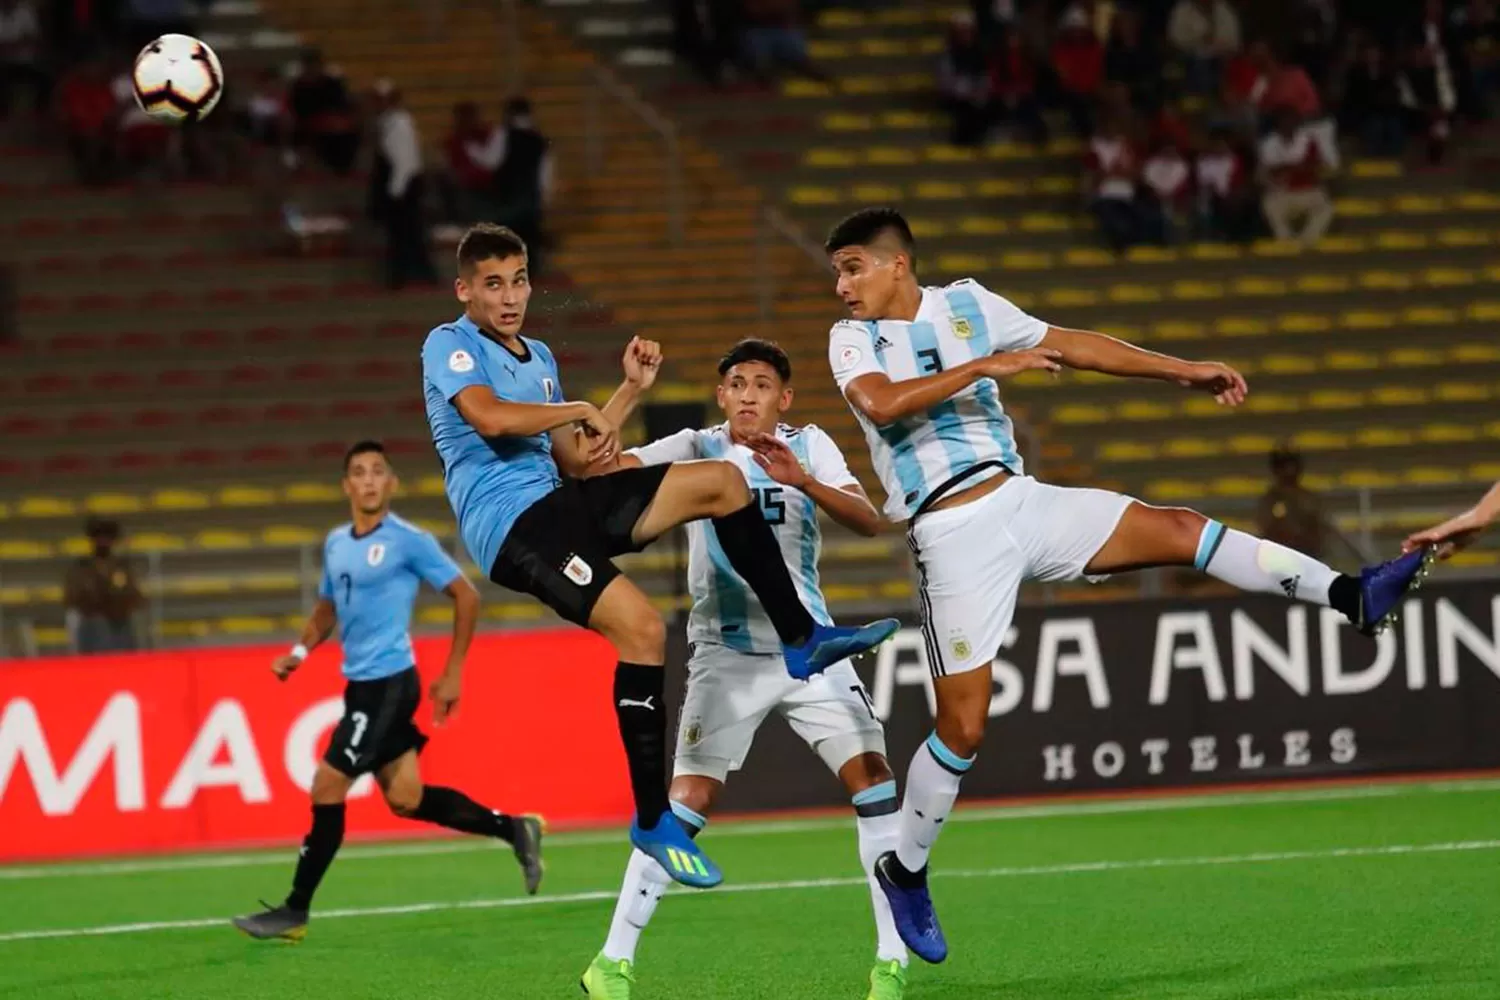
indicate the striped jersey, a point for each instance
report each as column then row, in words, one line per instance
column 915, row 457
column 725, row 611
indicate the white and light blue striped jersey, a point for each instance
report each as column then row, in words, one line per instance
column 725, row 611
column 916, row 456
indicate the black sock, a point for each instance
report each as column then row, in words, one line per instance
column 1343, row 596
column 753, row 551
column 451, row 808
column 318, row 848
column 643, row 731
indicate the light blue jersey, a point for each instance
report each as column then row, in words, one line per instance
column 916, row 456
column 372, row 580
column 725, row 611
column 490, row 483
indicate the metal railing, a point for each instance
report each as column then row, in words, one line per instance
column 607, row 89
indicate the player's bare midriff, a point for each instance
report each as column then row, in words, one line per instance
column 969, row 495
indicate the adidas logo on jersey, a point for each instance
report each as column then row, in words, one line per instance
column 881, row 344
column 1289, row 586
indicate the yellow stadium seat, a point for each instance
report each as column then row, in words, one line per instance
column 1367, row 479
column 1375, row 168
column 1005, row 151
column 13, row 596
column 1151, row 255
column 76, row 546
column 903, row 15
column 1174, row 490
column 1484, row 471
column 46, row 507
column 270, row 582
column 1359, row 207
column 1272, row 402
column 1079, row 413
column 823, row 50
column 1202, row 405
column 221, row 539
column 950, row 154
column 437, row 614
column 1477, row 201
column 1492, row 430
column 1088, row 257
column 1317, row 283
column 1091, row 378
column 198, row 586
column 247, row 625
column 896, row 589
column 1390, row 281
column 848, row 123
column 876, row 193
column 962, row 263
column 1214, row 251
column 890, row 156
column 1448, row 433
column 1479, row 353
column 1383, row 437
column 983, row 225
column 514, row 611
column 1122, row 331
column 1465, row 238
column 1275, row 248
column 1072, row 297
column 1025, row 261
column 1351, row 361
column 1367, row 319
column 20, row 548
column 1237, row 486
column 1260, row 286
column 924, row 229
column 1000, row 187
column 1461, row 392
column 1447, row 277
column 806, row 88
column 842, row 17
column 1335, row 399
column 1431, row 475
column 112, row 503
column 1251, row 444
column 813, row 196
column 1303, row 323
column 1492, row 272
column 1197, row 291
column 4, row 510
column 1033, row 380
column 1143, row 409
column 1289, row 364
column 280, row 535
column 1241, row 326
column 1343, row 244
column 155, row 541
column 1134, row 293
column 245, row 496
column 1055, row 185
column 1177, row 330
column 1474, row 558
column 1192, row 448
column 1045, row 222
column 831, row 158
column 1414, row 357
column 1418, row 204
column 176, row 499
column 1126, row 451
column 940, row 191
column 1399, row 395
column 312, row 492
column 909, row 119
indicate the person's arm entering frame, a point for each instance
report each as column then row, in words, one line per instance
column 1458, row 532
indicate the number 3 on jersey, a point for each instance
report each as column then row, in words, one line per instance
column 930, row 361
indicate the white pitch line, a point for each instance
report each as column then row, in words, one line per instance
column 749, row 828
column 600, row 895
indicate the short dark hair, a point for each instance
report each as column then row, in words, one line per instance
column 868, row 225
column 765, row 351
column 358, row 448
column 488, row 241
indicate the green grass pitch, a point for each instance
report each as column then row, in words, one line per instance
column 1387, row 891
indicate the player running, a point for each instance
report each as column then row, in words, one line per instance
column 736, row 676
column 510, row 448
column 372, row 568
column 917, row 366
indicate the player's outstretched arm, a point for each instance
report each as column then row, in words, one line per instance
column 1457, row 532
column 494, row 417
column 1097, row 352
column 445, row 690
column 318, row 627
column 641, row 363
column 848, row 505
column 885, row 401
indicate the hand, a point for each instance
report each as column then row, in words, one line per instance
column 779, row 461
column 1450, row 536
column 284, row 666
column 1224, row 383
column 642, row 362
column 1010, row 363
column 603, row 436
column 444, row 694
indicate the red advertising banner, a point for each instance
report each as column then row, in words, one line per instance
column 205, row 748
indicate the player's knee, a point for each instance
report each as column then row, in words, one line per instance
column 729, row 488
column 962, row 733
column 1183, row 525
column 404, row 802
column 697, row 795
column 642, row 637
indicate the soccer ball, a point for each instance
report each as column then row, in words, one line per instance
column 177, row 78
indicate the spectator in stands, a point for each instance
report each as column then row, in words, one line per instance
column 996, row 18
column 1293, row 175
column 1227, row 206
column 1371, row 101
column 87, row 110
column 267, row 115
column 1114, row 175
column 1440, row 36
column 22, row 75
column 468, row 183
column 396, row 190
column 522, row 176
column 964, row 81
column 704, row 35
column 100, row 595
column 1013, row 85
column 1314, row 34
column 774, row 39
column 1132, row 60
column 1476, row 30
column 1205, row 33
column 1289, row 513
column 1428, row 97
column 1167, row 181
column 147, row 20
column 146, row 146
column 324, row 117
column 1078, row 64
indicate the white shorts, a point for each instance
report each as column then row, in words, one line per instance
column 972, row 559
column 729, row 694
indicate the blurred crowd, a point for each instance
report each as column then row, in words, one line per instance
column 1221, row 118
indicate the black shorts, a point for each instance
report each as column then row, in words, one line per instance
column 559, row 549
column 379, row 724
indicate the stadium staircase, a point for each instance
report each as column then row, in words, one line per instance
column 1374, row 352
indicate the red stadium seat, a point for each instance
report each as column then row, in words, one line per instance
column 181, row 378
column 268, row 454
column 216, row 416
column 136, row 461
column 310, row 371
column 141, row 340
column 227, row 296
column 290, row 412
column 394, row 329
column 75, row 342
column 40, row 303
column 378, row 369
column 11, row 469
column 335, row 331
column 38, row 227
column 149, row 419
column 269, row 335
column 66, row 465
column 356, row 409
column 121, row 262
column 206, row 337
column 90, row 422
column 410, row 406
column 55, row 263
column 162, row 298
column 19, row 425
column 98, row 301
column 327, row 449
column 49, row 383
column 117, row 381
column 201, row 456
column 294, row 293
column 248, row 375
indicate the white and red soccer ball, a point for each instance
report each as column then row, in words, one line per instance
column 177, row 78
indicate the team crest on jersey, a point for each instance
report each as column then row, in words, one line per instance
column 692, row 734
column 375, row 555
column 960, row 646
column 547, row 387
column 962, row 328
column 578, row 571
column 461, row 361
column 848, row 358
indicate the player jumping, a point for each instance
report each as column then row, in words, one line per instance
column 372, row 568
column 736, row 676
column 917, row 366
column 510, row 448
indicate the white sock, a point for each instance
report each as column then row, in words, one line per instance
column 879, row 823
column 931, row 789
column 645, row 881
column 1257, row 565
